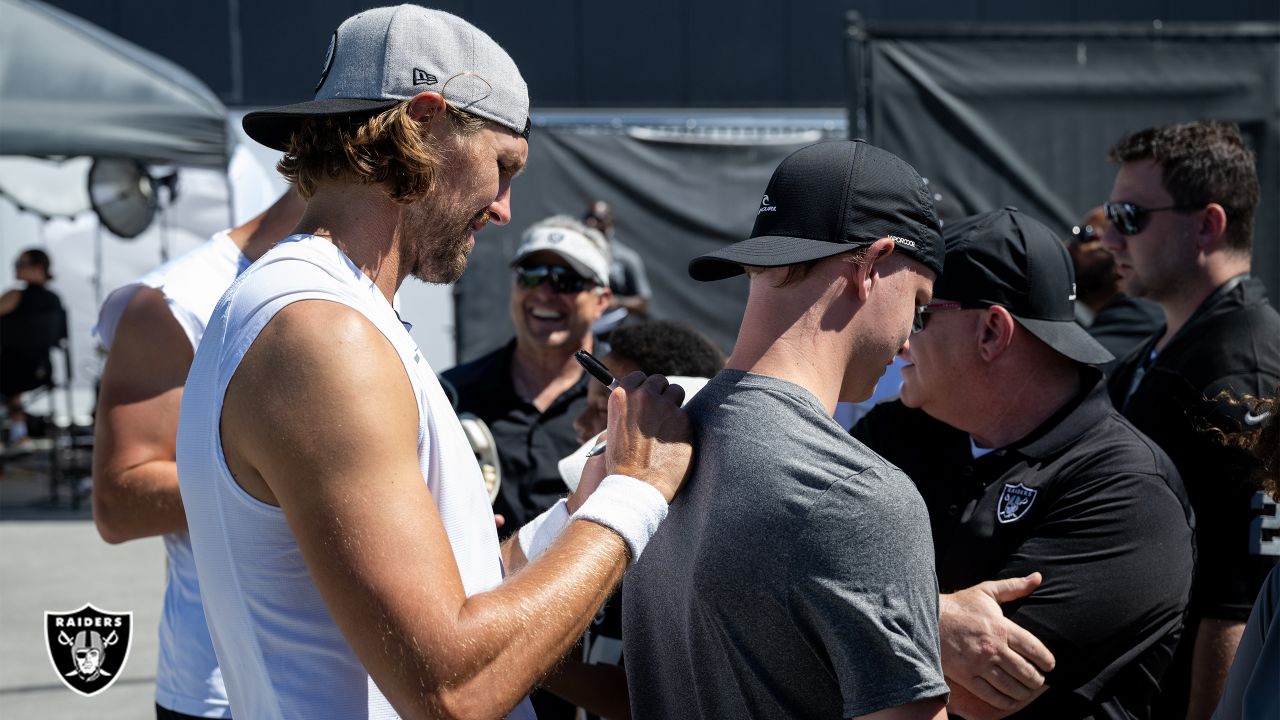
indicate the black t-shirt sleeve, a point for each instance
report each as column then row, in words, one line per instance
column 1238, row 527
column 1116, row 558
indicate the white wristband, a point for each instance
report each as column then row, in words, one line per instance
column 627, row 506
column 538, row 534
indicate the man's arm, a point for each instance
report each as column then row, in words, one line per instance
column 135, row 475
column 1111, row 586
column 923, row 710
column 9, row 301
column 320, row 419
column 993, row 667
column 1216, row 644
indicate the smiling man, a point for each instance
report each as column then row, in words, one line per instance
column 530, row 390
column 1181, row 231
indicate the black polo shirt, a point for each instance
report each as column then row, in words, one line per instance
column 1087, row 501
column 530, row 443
column 1232, row 344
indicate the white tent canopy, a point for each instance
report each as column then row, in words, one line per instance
column 70, row 88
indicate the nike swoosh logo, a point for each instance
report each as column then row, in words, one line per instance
column 1251, row 419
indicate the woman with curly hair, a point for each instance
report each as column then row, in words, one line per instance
column 1253, row 684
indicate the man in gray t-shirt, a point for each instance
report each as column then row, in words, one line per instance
column 794, row 576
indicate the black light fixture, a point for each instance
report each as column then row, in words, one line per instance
column 123, row 195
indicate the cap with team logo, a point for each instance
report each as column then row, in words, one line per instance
column 1010, row 259
column 385, row 56
column 584, row 248
column 830, row 198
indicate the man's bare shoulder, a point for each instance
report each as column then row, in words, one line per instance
column 320, row 394
column 321, row 345
column 146, row 303
column 147, row 314
column 149, row 345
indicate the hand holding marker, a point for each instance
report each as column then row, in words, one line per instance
column 598, row 371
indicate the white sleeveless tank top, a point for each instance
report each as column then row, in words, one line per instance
column 282, row 654
column 188, row 680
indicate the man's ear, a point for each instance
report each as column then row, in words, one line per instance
column 1213, row 228
column 426, row 105
column 603, row 298
column 995, row 332
column 867, row 272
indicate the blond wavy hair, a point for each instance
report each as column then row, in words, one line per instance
column 389, row 148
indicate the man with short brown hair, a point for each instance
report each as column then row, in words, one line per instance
column 1181, row 231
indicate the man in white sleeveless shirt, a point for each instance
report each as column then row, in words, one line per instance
column 342, row 532
column 151, row 328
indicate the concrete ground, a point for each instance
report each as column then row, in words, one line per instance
column 51, row 558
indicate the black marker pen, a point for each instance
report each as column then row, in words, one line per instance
column 597, row 370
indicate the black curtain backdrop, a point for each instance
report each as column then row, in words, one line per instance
column 678, row 190
column 1024, row 116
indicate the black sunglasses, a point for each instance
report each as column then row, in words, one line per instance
column 562, row 279
column 923, row 312
column 1129, row 219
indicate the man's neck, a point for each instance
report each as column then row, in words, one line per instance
column 540, row 375
column 1019, row 402
column 365, row 225
column 799, row 353
column 1192, row 294
column 806, row 334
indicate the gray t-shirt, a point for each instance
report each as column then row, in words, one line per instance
column 793, row 576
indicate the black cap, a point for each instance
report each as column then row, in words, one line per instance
column 830, row 198
column 1009, row 259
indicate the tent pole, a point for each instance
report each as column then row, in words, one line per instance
column 164, row 234
column 97, row 264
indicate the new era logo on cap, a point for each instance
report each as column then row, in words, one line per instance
column 384, row 56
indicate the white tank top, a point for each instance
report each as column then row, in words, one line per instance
column 282, row 654
column 188, row 680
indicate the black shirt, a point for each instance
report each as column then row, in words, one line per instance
column 1231, row 343
column 1087, row 501
column 1123, row 324
column 530, row 443
column 27, row 335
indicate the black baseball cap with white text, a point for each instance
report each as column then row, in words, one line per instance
column 830, row 198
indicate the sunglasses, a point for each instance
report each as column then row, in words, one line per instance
column 924, row 311
column 562, row 279
column 1129, row 219
column 1081, row 234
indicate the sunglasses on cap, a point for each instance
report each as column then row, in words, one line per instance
column 1129, row 219
column 562, row 279
column 1082, row 234
column 924, row 311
